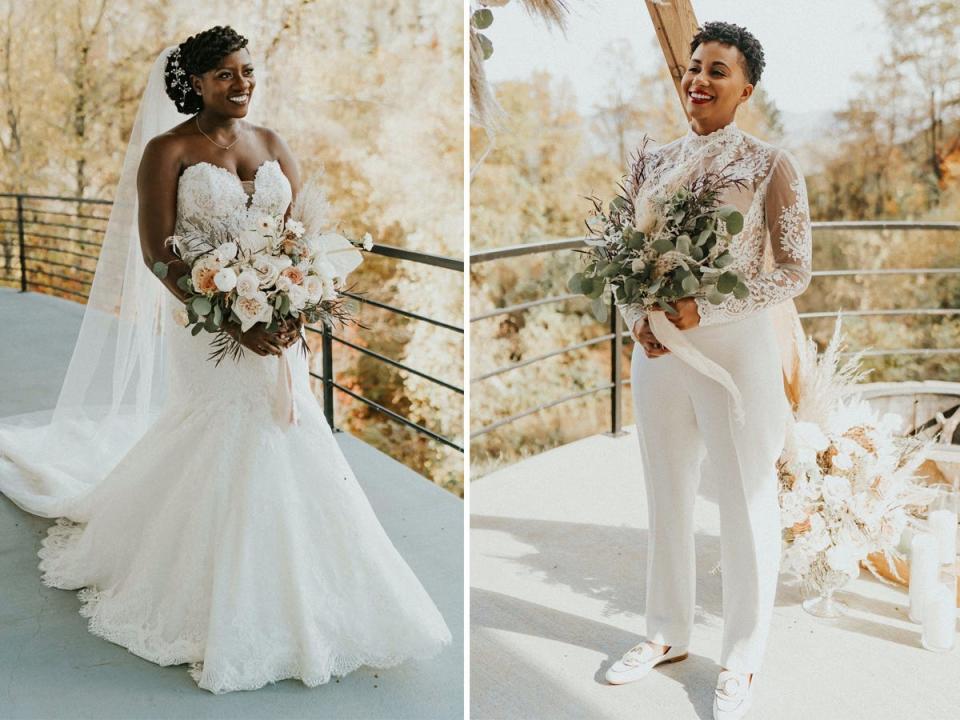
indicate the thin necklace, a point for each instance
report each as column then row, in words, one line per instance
column 223, row 147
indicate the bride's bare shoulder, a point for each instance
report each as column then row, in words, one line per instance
column 164, row 153
column 269, row 137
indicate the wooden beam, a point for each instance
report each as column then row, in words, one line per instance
column 676, row 24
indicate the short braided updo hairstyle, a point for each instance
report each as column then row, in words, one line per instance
column 195, row 56
column 740, row 38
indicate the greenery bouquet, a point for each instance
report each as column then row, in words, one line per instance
column 655, row 245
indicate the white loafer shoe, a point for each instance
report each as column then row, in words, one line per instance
column 640, row 660
column 733, row 696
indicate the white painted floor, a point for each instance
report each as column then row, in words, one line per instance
column 51, row 667
column 558, row 546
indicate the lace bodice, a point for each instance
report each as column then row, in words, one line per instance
column 210, row 194
column 209, row 191
column 773, row 251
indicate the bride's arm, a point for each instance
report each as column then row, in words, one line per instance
column 787, row 218
column 288, row 163
column 157, row 209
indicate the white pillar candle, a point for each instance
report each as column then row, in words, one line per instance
column 939, row 618
column 943, row 525
column 924, row 562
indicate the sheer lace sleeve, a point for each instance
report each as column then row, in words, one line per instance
column 787, row 218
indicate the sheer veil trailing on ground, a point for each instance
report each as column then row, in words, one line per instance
column 117, row 376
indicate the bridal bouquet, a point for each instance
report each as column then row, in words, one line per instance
column 264, row 269
column 657, row 245
column 847, row 482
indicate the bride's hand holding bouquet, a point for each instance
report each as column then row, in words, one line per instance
column 258, row 283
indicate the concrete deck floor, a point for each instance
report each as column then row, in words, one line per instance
column 558, row 557
column 51, row 667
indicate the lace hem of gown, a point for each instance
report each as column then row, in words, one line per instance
column 146, row 643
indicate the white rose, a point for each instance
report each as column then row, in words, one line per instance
column 226, row 251
column 314, row 287
column 248, row 284
column 180, row 316
column 298, row 297
column 267, row 270
column 252, row 310
column 367, row 242
column 282, row 261
column 225, row 279
column 284, row 283
column 296, row 227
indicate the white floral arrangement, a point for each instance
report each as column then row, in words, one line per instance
column 847, row 480
column 266, row 270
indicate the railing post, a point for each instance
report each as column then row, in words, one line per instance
column 22, row 244
column 327, row 373
column 616, row 369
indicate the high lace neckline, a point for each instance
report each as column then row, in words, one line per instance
column 712, row 142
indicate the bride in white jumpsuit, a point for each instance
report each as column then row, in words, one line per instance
column 684, row 415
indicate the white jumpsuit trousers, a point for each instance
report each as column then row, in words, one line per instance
column 681, row 416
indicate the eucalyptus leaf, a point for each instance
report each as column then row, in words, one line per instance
column 574, row 283
column 734, row 222
column 726, row 282
column 586, row 285
column 183, row 282
column 723, row 259
column 684, row 244
column 482, row 19
column 741, row 291
column 690, row 284
column 160, row 270
column 599, row 309
column 668, row 309
column 663, row 245
column 609, row 269
column 714, row 296
column 704, row 236
column 201, row 305
column 197, row 329
column 485, row 45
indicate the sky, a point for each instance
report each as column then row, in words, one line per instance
column 812, row 48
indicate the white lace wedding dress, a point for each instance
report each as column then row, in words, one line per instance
column 232, row 541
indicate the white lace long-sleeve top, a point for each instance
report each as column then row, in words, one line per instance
column 774, row 249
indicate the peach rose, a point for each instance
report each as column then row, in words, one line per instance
column 293, row 274
column 203, row 276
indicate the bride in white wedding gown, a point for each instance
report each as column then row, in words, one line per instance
column 202, row 527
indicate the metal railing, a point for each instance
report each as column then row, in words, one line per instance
column 616, row 331
column 70, row 241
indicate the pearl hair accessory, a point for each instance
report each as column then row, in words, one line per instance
column 177, row 75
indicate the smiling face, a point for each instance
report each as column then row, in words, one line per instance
column 227, row 88
column 714, row 85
